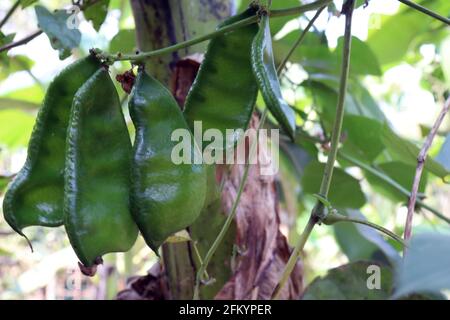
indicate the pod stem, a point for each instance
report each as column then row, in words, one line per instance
column 333, row 218
column 318, row 212
column 111, row 58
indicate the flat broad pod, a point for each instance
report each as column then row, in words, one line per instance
column 266, row 76
column 167, row 197
column 35, row 197
column 97, row 213
column 224, row 92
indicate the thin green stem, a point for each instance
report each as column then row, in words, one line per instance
column 426, row 11
column 229, row 28
column 317, row 212
column 9, row 13
column 393, row 183
column 299, row 41
column 337, row 128
column 293, row 258
column 333, row 218
column 212, row 250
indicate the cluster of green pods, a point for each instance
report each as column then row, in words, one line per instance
column 82, row 170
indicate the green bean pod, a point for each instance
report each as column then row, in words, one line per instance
column 167, row 197
column 266, row 75
column 35, row 197
column 97, row 213
column 224, row 92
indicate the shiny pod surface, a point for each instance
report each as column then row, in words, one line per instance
column 266, row 76
column 224, row 92
column 167, row 197
column 35, row 197
column 97, row 213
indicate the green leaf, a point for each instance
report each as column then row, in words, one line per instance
column 27, row 3
column 444, row 154
column 360, row 242
column 55, row 26
column 15, row 64
column 96, row 12
column 393, row 40
column 363, row 60
column 425, row 267
column 345, row 190
column 349, row 282
column 363, row 137
column 124, row 41
column 401, row 173
column 405, row 151
column 4, row 40
column 15, row 128
column 323, row 88
column 313, row 55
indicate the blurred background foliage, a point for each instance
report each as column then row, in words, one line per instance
column 399, row 78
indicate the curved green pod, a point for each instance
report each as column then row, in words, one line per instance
column 266, row 75
column 35, row 197
column 97, row 213
column 168, row 196
column 224, row 92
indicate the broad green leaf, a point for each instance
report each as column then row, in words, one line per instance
column 360, row 242
column 124, row 41
column 15, row 64
column 27, row 3
column 444, row 154
column 96, row 12
column 323, row 89
column 363, row 137
column 55, row 26
column 426, row 265
column 345, row 190
column 349, row 282
column 393, row 40
column 405, row 151
column 363, row 60
column 400, row 172
column 366, row 104
column 313, row 54
column 15, row 128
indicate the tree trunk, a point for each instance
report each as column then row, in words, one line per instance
column 248, row 263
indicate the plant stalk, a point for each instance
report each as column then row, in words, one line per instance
column 242, row 23
column 317, row 212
